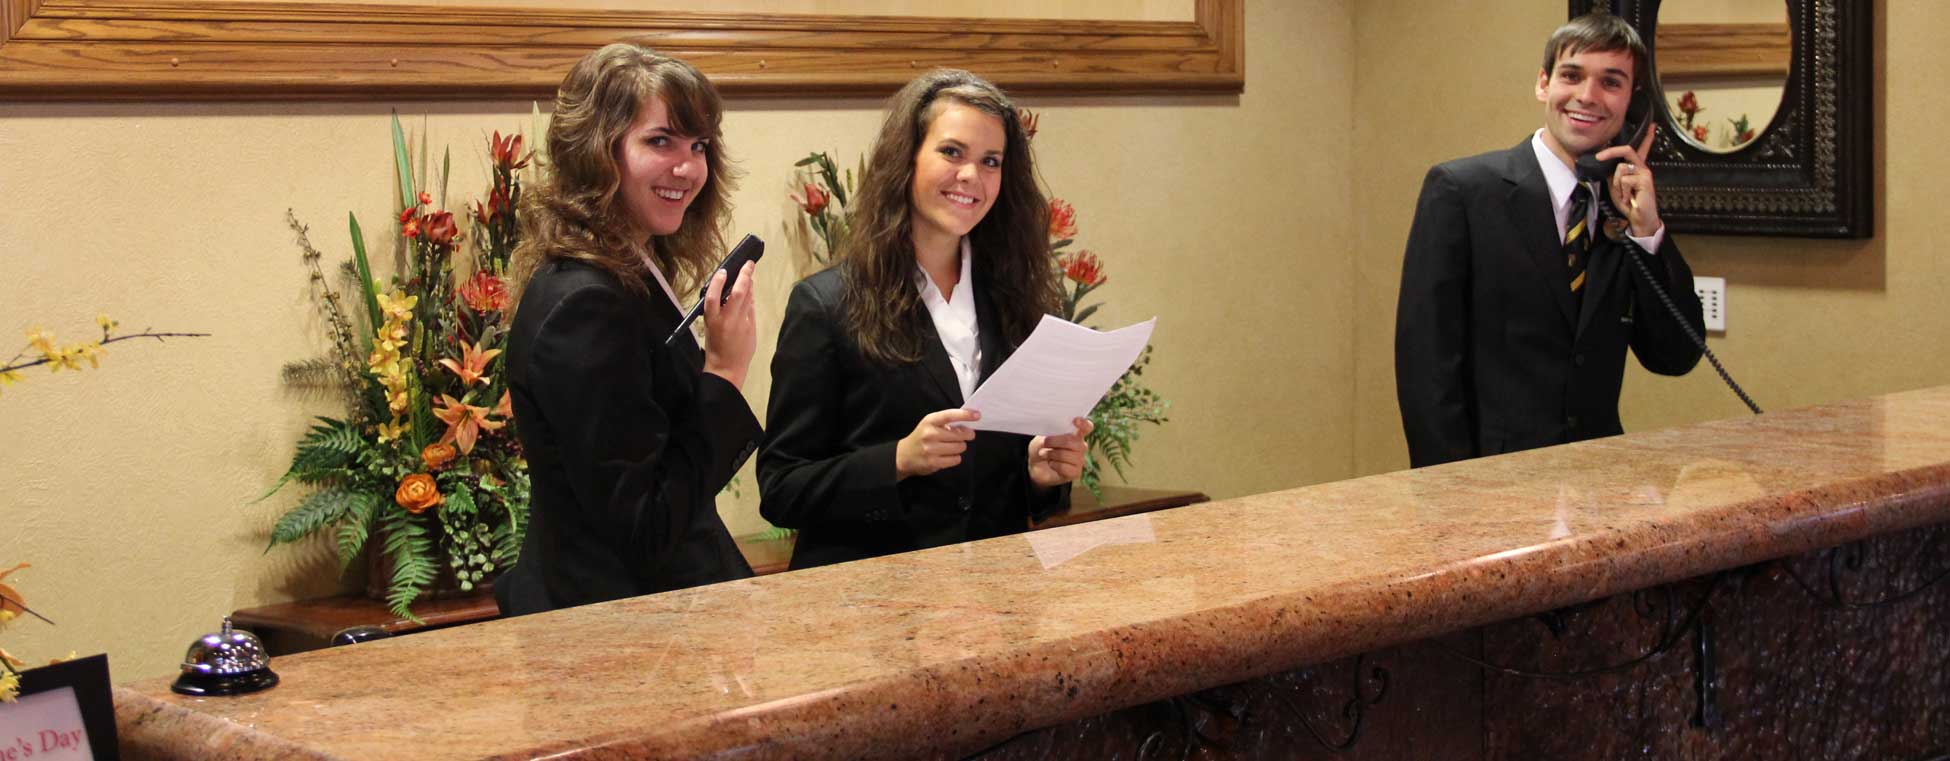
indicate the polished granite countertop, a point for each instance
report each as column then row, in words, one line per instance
column 946, row 651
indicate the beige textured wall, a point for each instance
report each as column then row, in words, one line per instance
column 129, row 487
column 1809, row 321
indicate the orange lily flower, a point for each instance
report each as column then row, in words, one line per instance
column 473, row 364
column 464, row 422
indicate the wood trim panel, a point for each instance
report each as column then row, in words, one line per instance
column 1723, row 51
column 184, row 49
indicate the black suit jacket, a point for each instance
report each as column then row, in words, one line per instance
column 827, row 467
column 628, row 443
column 1492, row 352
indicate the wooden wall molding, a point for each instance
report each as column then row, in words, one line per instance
column 184, row 49
column 1690, row 52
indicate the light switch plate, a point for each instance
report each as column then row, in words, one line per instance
column 1713, row 301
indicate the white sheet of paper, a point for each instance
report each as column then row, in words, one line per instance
column 1057, row 374
column 1054, row 547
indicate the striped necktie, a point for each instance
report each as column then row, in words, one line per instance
column 1577, row 236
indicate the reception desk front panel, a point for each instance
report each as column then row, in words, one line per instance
column 950, row 651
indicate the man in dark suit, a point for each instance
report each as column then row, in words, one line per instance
column 1517, row 300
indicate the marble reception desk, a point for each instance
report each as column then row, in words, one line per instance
column 1702, row 591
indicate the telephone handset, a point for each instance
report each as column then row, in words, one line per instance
column 1638, row 120
column 748, row 250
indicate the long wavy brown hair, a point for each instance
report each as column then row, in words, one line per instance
column 1010, row 244
column 577, row 212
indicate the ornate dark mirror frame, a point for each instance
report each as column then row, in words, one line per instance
column 1811, row 173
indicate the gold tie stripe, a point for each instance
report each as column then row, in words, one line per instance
column 1576, row 241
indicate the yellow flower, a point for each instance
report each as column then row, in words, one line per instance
column 6, row 616
column 392, row 431
column 92, row 352
column 106, row 323
column 42, row 341
column 68, row 358
column 9, row 687
column 397, row 305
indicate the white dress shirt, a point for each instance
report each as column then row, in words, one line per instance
column 954, row 320
column 1562, row 181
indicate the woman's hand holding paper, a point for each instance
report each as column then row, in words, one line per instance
column 936, row 443
column 1058, row 460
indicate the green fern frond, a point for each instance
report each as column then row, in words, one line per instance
column 324, row 455
column 506, row 546
column 316, row 510
column 413, row 562
column 460, row 501
column 356, row 527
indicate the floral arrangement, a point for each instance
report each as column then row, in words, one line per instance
column 1119, row 416
column 424, row 462
column 1740, row 133
column 41, row 350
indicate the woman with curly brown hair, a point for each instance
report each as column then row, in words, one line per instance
column 944, row 271
column 628, row 438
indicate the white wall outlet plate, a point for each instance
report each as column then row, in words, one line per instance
column 1713, row 301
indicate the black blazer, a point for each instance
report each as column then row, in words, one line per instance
column 1490, row 354
column 827, row 467
column 628, row 443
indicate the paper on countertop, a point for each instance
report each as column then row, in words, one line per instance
column 1060, row 545
column 1056, row 375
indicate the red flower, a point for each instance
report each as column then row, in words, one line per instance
column 814, row 202
column 406, row 215
column 425, row 199
column 507, row 153
column 484, row 293
column 1699, row 133
column 497, row 204
column 1744, row 137
column 1688, row 103
column 1062, row 220
column 412, row 228
column 440, row 228
column 1083, row 268
column 1027, row 119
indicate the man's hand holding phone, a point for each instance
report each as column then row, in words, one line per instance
column 1631, row 185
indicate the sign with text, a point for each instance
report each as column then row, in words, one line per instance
column 65, row 713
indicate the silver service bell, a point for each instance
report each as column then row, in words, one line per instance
column 229, row 662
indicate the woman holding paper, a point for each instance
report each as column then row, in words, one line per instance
column 945, row 269
column 628, row 439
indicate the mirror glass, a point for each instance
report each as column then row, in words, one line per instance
column 1723, row 65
